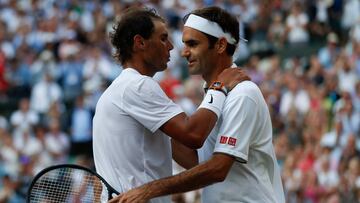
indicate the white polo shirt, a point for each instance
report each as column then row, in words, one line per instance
column 244, row 131
column 129, row 150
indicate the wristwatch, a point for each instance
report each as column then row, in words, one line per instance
column 219, row 86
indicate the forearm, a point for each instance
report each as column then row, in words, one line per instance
column 212, row 171
column 184, row 156
column 193, row 130
column 183, row 182
column 190, row 131
column 200, row 124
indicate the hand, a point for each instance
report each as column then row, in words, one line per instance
column 232, row 76
column 136, row 195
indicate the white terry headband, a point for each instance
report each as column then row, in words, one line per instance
column 208, row 27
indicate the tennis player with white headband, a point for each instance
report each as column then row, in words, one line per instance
column 237, row 162
column 208, row 27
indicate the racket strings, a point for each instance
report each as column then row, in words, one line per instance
column 68, row 185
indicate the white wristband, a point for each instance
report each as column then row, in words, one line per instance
column 214, row 101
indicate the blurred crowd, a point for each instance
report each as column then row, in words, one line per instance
column 55, row 61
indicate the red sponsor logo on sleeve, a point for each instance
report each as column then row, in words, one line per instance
column 232, row 141
column 223, row 139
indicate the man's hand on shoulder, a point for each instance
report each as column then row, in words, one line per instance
column 230, row 77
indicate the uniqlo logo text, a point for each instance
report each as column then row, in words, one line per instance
column 223, row 139
column 232, row 141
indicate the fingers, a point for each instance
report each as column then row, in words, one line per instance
column 113, row 200
column 233, row 76
column 116, row 199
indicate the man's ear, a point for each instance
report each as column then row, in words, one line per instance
column 139, row 42
column 221, row 45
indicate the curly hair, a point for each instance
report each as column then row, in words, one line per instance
column 135, row 21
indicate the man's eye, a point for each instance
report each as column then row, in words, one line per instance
column 192, row 44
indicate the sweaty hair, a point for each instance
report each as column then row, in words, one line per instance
column 225, row 20
column 135, row 21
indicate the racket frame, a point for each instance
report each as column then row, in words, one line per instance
column 110, row 189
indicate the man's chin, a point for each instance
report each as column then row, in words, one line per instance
column 193, row 71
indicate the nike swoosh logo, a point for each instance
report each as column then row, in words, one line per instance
column 211, row 99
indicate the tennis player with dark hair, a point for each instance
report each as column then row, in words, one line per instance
column 134, row 117
column 237, row 161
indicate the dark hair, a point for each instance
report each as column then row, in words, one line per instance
column 135, row 21
column 226, row 21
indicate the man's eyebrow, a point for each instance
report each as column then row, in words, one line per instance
column 190, row 41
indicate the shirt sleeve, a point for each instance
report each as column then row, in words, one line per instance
column 237, row 128
column 148, row 104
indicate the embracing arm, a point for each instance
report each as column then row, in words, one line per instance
column 211, row 171
column 184, row 156
column 193, row 130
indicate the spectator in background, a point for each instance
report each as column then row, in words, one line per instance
column 9, row 155
column 3, row 123
column 7, row 191
column 19, row 77
column 350, row 15
column 97, row 70
column 71, row 68
column 348, row 151
column 328, row 54
column 346, row 74
column 253, row 71
column 59, row 113
column 57, row 142
column 6, row 47
column 276, row 32
column 259, row 28
column 327, row 177
column 319, row 17
column 44, row 64
column 347, row 121
column 44, row 93
column 316, row 72
column 296, row 26
column 24, row 118
column 81, row 129
column 295, row 97
column 28, row 145
column 42, row 158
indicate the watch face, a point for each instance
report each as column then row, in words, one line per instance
column 217, row 84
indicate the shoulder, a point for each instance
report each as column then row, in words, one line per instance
column 130, row 79
column 246, row 88
column 246, row 93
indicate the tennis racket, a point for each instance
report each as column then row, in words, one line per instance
column 69, row 183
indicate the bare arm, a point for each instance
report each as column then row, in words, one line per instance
column 193, row 130
column 183, row 155
column 212, row 171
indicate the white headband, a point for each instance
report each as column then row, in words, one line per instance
column 208, row 27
